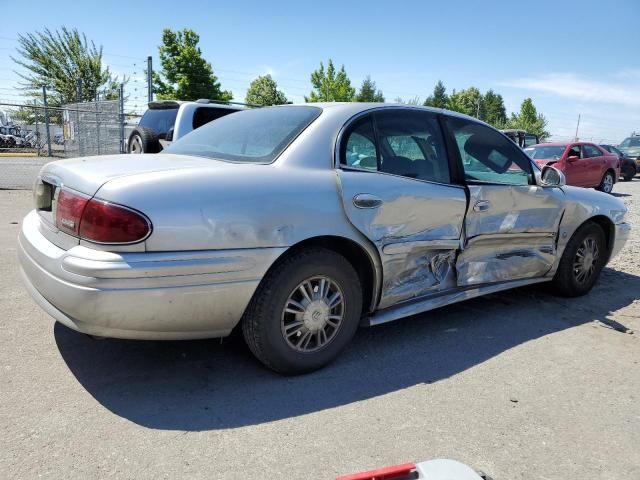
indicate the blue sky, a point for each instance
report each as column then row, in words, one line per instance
column 569, row 56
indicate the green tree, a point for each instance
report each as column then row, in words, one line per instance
column 415, row 101
column 185, row 74
column 59, row 59
column 264, row 91
column 439, row 98
column 494, row 111
column 368, row 92
column 468, row 101
column 330, row 86
column 529, row 119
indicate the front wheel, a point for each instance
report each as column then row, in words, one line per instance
column 582, row 261
column 305, row 311
column 606, row 184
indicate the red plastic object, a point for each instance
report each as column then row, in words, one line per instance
column 395, row 472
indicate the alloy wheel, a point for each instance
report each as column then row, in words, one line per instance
column 313, row 314
column 586, row 260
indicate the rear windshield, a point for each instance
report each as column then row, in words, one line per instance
column 547, row 153
column 160, row 120
column 258, row 135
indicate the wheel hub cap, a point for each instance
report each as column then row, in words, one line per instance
column 584, row 265
column 313, row 314
column 316, row 315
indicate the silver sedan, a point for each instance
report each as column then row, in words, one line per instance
column 299, row 223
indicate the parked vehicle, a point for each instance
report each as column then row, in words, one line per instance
column 168, row 120
column 583, row 164
column 521, row 137
column 628, row 167
column 299, row 223
column 11, row 137
column 630, row 146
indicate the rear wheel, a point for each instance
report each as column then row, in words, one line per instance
column 143, row 140
column 582, row 261
column 305, row 311
column 606, row 184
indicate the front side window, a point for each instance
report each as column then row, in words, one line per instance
column 590, row 151
column 249, row 136
column 574, row 151
column 487, row 156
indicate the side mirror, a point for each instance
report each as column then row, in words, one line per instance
column 552, row 177
column 169, row 137
column 573, row 158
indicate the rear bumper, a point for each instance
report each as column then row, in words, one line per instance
column 623, row 231
column 163, row 295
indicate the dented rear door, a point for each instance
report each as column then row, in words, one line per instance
column 395, row 190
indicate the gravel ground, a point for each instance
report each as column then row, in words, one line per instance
column 521, row 385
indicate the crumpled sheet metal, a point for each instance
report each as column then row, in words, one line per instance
column 416, row 273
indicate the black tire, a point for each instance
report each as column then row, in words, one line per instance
column 146, row 138
column 262, row 323
column 629, row 174
column 605, row 186
column 565, row 281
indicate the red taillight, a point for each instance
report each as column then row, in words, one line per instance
column 69, row 211
column 99, row 221
column 105, row 222
column 405, row 471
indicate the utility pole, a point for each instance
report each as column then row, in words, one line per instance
column 577, row 126
column 79, row 90
column 46, row 118
column 150, row 78
column 121, row 107
column 35, row 112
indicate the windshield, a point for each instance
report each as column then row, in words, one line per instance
column 258, row 135
column 630, row 142
column 160, row 120
column 548, row 152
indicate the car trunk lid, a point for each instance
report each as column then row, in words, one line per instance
column 86, row 176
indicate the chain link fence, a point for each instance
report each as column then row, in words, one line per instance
column 31, row 134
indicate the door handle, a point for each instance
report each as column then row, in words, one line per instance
column 366, row 200
column 482, row 206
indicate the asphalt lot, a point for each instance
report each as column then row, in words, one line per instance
column 20, row 172
column 522, row 385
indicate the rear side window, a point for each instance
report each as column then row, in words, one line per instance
column 487, row 156
column 159, row 120
column 258, row 135
column 408, row 143
column 361, row 150
column 204, row 115
column 590, row 151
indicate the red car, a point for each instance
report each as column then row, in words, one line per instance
column 584, row 164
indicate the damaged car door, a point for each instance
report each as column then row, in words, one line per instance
column 511, row 224
column 396, row 189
